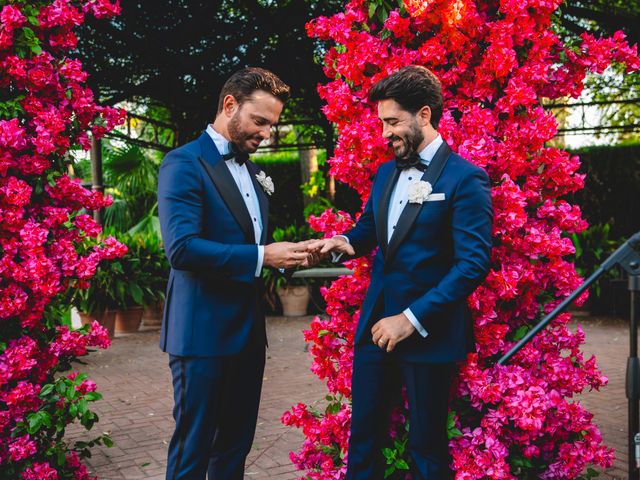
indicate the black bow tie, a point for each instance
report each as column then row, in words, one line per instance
column 412, row 161
column 236, row 154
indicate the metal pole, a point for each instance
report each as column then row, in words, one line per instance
column 549, row 317
column 97, row 184
column 633, row 380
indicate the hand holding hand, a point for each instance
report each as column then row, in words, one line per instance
column 390, row 331
column 285, row 254
column 335, row 244
column 313, row 255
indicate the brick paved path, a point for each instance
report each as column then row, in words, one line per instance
column 133, row 376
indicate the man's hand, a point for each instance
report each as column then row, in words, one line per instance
column 285, row 254
column 313, row 256
column 390, row 331
column 336, row 244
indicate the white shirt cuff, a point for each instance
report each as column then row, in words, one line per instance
column 260, row 260
column 414, row 321
column 335, row 257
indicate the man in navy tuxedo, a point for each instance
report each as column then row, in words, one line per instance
column 212, row 203
column 430, row 214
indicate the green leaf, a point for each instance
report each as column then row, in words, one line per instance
column 137, row 294
column 46, row 390
column 46, row 418
column 61, row 387
column 372, row 9
column 81, row 377
column 35, row 422
column 93, row 396
column 521, row 332
column 389, row 454
column 451, row 419
column 61, row 460
column 106, row 439
column 71, row 394
column 83, row 406
column 402, row 464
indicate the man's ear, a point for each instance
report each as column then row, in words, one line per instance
column 424, row 116
column 229, row 105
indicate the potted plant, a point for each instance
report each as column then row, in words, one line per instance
column 134, row 282
column 97, row 303
column 154, row 263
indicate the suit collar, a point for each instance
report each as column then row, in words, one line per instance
column 221, row 143
column 208, row 150
column 226, row 186
column 428, row 152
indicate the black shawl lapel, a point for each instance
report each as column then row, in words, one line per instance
column 220, row 175
column 383, row 210
column 411, row 210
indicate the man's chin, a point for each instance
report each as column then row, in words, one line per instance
column 251, row 147
column 401, row 153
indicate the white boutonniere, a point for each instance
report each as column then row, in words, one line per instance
column 419, row 191
column 265, row 182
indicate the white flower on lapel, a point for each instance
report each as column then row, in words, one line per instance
column 265, row 182
column 419, row 191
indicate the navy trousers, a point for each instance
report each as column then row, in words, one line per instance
column 216, row 410
column 376, row 388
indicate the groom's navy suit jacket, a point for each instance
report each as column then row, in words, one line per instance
column 437, row 256
column 212, row 306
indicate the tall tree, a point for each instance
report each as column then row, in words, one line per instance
column 178, row 53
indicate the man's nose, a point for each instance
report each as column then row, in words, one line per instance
column 265, row 132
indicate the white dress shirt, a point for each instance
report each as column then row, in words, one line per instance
column 242, row 178
column 399, row 199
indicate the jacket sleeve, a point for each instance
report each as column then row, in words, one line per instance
column 180, row 208
column 472, row 219
column 363, row 234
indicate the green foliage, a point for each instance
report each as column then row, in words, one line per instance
column 612, row 182
column 593, row 246
column 195, row 46
column 452, row 430
column 266, row 159
column 273, row 279
column 131, row 175
column 137, row 279
column 317, row 206
column 315, row 185
column 394, row 458
column 64, row 401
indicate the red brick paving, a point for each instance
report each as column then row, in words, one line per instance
column 133, row 376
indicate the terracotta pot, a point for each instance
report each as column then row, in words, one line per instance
column 152, row 315
column 294, row 299
column 106, row 318
column 128, row 321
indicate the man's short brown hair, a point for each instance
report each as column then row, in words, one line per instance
column 243, row 83
column 412, row 87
